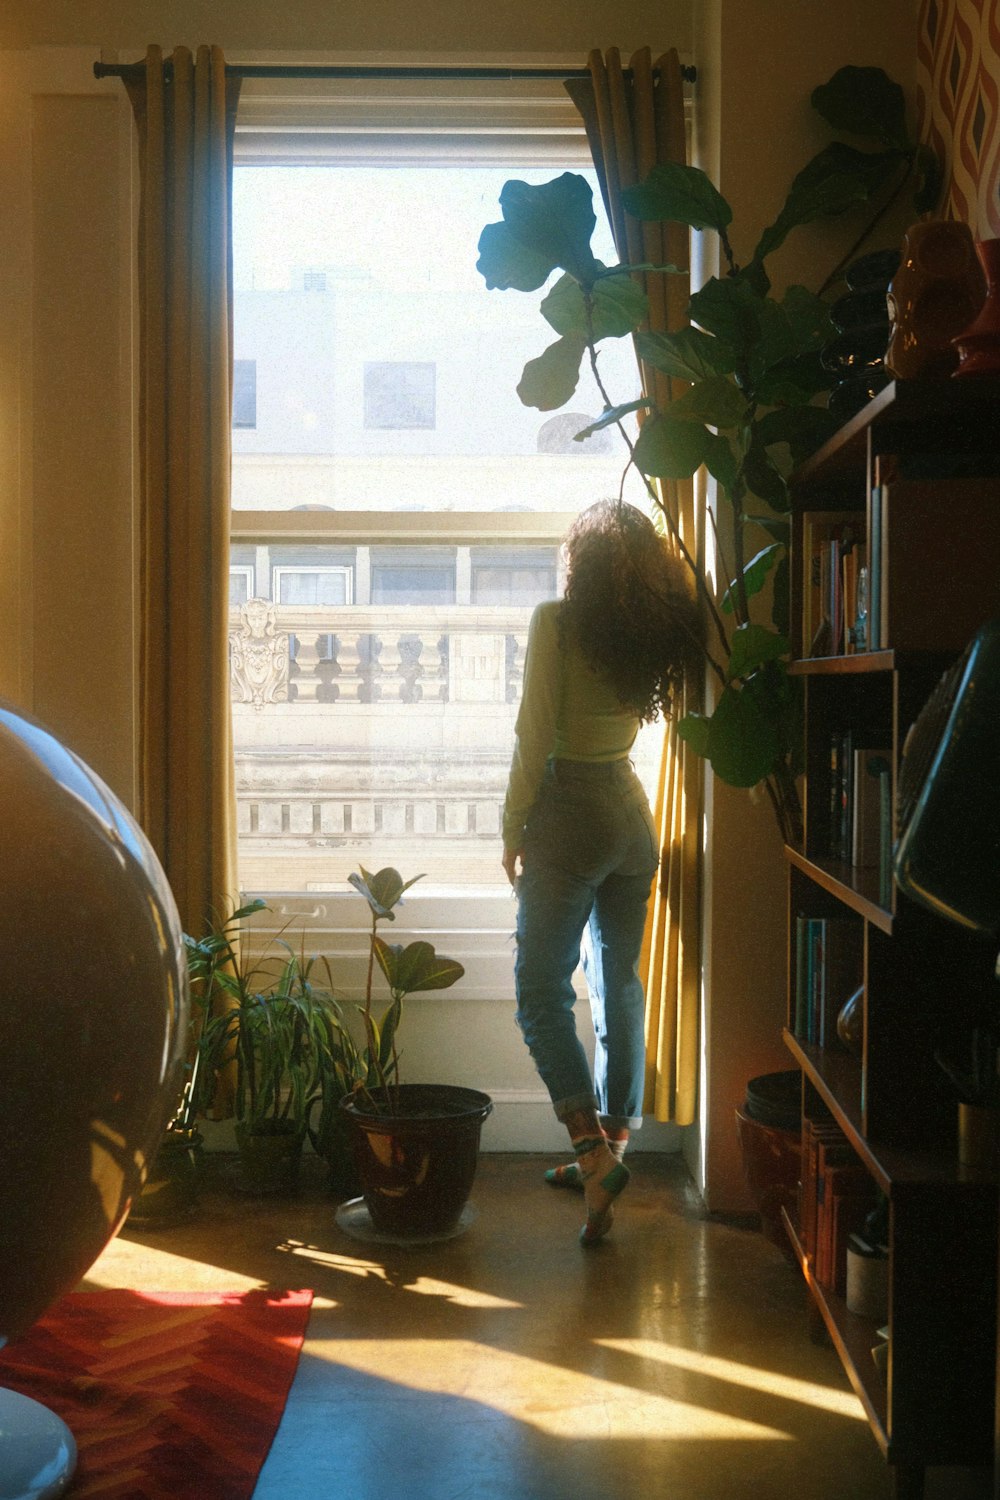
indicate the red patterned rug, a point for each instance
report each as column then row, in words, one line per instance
column 169, row 1396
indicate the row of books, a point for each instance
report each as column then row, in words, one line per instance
column 835, row 553
column 829, row 967
column 836, row 1195
column 861, row 805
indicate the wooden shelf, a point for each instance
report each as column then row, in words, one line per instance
column 856, row 888
column 931, row 447
column 919, row 415
column 853, row 1338
column 843, row 666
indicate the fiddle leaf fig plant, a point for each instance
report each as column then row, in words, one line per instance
column 750, row 361
column 407, row 969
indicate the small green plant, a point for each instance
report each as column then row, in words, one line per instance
column 284, row 1034
column 407, row 969
column 750, row 366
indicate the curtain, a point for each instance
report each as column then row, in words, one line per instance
column 635, row 119
column 185, row 111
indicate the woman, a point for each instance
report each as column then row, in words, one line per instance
column 580, row 847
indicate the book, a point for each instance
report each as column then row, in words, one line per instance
column 866, row 822
column 827, row 537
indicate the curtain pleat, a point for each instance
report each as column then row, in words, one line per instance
column 185, row 111
column 633, row 122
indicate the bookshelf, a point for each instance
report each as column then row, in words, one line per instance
column 909, row 489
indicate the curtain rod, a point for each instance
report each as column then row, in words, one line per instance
column 321, row 70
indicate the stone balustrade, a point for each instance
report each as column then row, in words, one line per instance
column 286, row 654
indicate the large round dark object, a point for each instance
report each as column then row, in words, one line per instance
column 417, row 1164
column 850, row 396
column 877, row 268
column 857, row 349
column 93, row 1016
column 776, row 1099
column 865, row 306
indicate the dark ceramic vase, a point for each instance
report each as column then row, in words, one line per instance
column 417, row 1164
column 979, row 345
column 93, row 1016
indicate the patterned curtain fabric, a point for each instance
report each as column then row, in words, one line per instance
column 635, row 119
column 185, row 111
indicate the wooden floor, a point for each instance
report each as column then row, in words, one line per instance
column 672, row 1362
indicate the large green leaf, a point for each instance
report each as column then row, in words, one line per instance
column 752, row 645
column 670, row 448
column 803, row 428
column 506, row 262
column 685, row 195
column 763, row 479
column 694, row 730
column 717, row 401
column 731, row 309
column 688, row 354
column 415, row 967
column 838, row 177
column 383, row 890
column 550, row 380
column 610, row 416
column 754, row 574
column 864, row 101
column 743, row 738
column 617, row 306
column 721, row 460
column 543, row 227
column 794, row 381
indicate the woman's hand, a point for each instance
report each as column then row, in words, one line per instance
column 511, row 858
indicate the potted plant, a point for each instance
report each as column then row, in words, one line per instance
column 752, row 366
column 416, row 1145
column 280, row 1035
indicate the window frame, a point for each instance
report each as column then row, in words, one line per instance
column 455, row 122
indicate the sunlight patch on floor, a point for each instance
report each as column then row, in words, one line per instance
column 128, row 1263
column 560, row 1402
column 425, row 1286
column 752, row 1377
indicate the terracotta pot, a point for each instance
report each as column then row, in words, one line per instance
column 417, row 1166
column 93, row 1016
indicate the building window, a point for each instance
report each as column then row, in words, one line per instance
column 400, row 394
column 240, row 583
column 324, row 585
column 244, row 393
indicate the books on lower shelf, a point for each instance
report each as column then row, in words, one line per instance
column 829, row 962
column 835, row 1197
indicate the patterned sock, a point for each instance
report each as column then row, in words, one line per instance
column 570, row 1176
column 604, row 1176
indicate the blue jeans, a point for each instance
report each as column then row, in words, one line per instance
column 590, row 855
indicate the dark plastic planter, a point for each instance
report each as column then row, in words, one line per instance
column 417, row 1166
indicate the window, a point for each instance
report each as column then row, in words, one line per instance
column 245, row 393
column 399, row 500
column 314, row 585
column 240, row 583
column 399, row 394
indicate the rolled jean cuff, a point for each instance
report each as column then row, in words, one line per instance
column 564, row 1107
column 621, row 1122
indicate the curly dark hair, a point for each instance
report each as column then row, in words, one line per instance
column 630, row 606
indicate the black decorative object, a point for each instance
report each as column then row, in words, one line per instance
column 857, row 354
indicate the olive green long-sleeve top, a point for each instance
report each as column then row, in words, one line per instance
column 567, row 710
